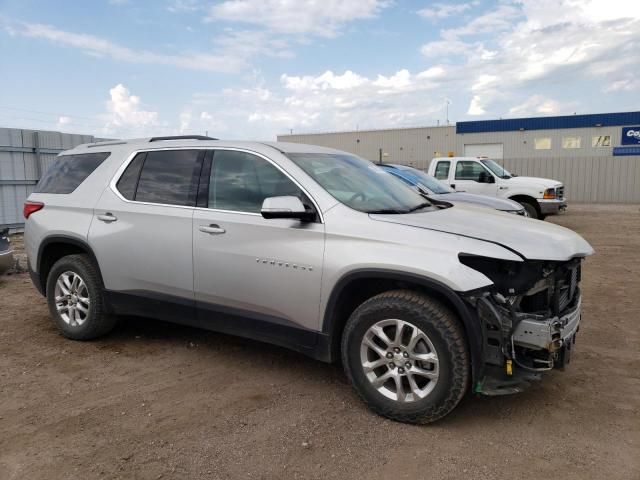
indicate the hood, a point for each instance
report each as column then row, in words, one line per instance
column 533, row 239
column 482, row 200
column 532, row 181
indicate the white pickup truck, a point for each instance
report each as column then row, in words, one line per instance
column 481, row 175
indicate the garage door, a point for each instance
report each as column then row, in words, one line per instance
column 491, row 150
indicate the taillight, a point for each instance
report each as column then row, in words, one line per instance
column 31, row 207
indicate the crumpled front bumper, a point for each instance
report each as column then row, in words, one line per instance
column 518, row 347
column 549, row 334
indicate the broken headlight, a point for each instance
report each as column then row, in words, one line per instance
column 508, row 277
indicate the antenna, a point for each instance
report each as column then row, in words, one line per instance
column 447, row 102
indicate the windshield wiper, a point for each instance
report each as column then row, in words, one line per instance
column 418, row 207
column 388, row 210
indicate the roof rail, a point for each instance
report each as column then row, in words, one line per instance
column 105, row 144
column 181, row 137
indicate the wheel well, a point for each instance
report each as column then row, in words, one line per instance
column 359, row 290
column 54, row 251
column 525, row 198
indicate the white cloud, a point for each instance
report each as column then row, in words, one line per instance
column 63, row 122
column 323, row 18
column 185, row 122
column 476, row 107
column 125, row 115
column 627, row 84
column 246, row 44
column 518, row 44
column 205, row 116
column 233, row 61
column 540, row 105
column 443, row 10
column 328, row 101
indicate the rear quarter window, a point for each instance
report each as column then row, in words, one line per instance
column 69, row 171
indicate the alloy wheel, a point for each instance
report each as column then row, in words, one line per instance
column 399, row 360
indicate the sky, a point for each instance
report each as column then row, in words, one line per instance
column 252, row 69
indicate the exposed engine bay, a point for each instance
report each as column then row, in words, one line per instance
column 529, row 318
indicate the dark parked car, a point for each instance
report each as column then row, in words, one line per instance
column 433, row 188
column 6, row 251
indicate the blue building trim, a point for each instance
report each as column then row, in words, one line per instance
column 548, row 123
column 621, row 151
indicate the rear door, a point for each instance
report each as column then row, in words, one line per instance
column 142, row 233
column 261, row 275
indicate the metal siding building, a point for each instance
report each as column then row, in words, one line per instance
column 590, row 172
column 24, row 155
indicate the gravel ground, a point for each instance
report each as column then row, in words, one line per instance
column 155, row 400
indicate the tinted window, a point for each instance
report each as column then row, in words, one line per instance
column 469, row 171
column 129, row 179
column 69, row 171
column 240, row 182
column 169, row 177
column 442, row 170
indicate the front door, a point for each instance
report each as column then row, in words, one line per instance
column 250, row 271
column 473, row 177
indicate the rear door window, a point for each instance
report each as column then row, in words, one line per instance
column 442, row 170
column 170, row 177
column 69, row 171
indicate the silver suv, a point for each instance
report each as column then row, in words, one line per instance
column 309, row 248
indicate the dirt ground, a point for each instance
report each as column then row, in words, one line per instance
column 155, row 400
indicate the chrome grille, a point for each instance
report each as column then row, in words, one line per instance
column 560, row 192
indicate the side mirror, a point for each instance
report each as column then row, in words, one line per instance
column 286, row 207
column 484, row 177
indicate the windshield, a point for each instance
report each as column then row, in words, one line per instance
column 358, row 183
column 418, row 177
column 496, row 168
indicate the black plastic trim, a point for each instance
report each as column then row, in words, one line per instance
column 181, row 137
column 218, row 318
column 35, row 279
column 468, row 316
column 61, row 239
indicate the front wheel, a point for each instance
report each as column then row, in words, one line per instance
column 532, row 210
column 406, row 356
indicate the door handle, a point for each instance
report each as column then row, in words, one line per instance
column 212, row 229
column 107, row 217
column 503, row 188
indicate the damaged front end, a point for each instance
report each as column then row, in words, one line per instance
column 529, row 319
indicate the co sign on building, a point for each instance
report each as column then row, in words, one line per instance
column 631, row 136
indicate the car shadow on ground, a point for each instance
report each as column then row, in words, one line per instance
column 279, row 362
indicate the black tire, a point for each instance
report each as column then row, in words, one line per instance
column 97, row 322
column 532, row 210
column 448, row 339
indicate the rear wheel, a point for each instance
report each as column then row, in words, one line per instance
column 75, row 299
column 406, row 356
